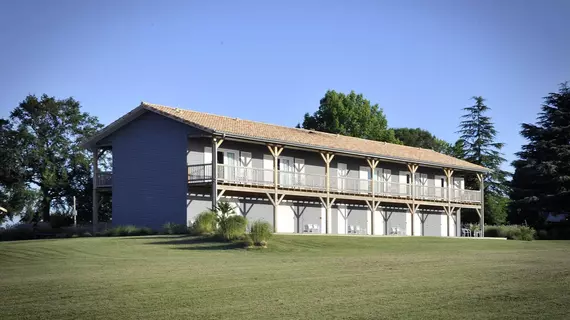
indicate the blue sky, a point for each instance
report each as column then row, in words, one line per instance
column 272, row 61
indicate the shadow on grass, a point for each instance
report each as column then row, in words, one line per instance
column 196, row 243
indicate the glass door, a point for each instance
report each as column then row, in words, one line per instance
column 230, row 172
column 286, row 172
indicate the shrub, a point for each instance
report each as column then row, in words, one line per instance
column 86, row 234
column 59, row 220
column 232, row 228
column 174, row 228
column 17, row 232
column 247, row 242
column 260, row 232
column 511, row 232
column 128, row 230
column 205, row 223
column 527, row 233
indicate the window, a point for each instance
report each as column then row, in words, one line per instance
column 220, row 157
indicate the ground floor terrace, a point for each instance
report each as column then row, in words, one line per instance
column 293, row 211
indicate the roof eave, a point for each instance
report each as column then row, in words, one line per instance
column 313, row 147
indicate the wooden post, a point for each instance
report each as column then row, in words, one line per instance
column 413, row 168
column 373, row 163
column 275, row 200
column 214, row 195
column 95, row 199
column 327, row 157
column 481, row 179
column 448, row 174
column 74, row 213
column 275, row 152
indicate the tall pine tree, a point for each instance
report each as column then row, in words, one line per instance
column 541, row 182
column 478, row 136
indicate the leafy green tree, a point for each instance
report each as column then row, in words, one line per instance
column 458, row 149
column 478, row 136
column 351, row 115
column 13, row 189
column 498, row 207
column 46, row 134
column 416, row 137
column 541, row 182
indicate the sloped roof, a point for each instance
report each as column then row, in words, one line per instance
column 309, row 138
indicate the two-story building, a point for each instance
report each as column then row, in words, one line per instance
column 170, row 164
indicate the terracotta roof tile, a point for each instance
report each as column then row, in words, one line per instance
column 316, row 139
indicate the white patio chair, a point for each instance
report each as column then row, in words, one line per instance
column 306, row 228
column 393, row 230
column 350, row 229
column 357, row 229
column 477, row 233
column 465, row 232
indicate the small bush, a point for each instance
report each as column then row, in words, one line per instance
column 527, row 233
column 174, row 228
column 17, row 232
column 59, row 220
column 129, row 230
column 511, row 232
column 232, row 228
column 260, row 232
column 205, row 223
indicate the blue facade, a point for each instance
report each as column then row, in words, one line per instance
column 150, row 171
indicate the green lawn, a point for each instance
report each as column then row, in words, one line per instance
column 297, row 277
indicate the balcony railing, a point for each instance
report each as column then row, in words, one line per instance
column 104, row 179
column 314, row 182
column 199, row 173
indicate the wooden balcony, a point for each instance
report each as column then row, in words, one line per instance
column 263, row 178
column 104, row 179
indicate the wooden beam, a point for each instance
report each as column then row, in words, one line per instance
column 480, row 177
column 94, row 200
column 278, row 150
column 323, row 202
column 279, row 199
column 412, row 167
column 220, row 194
column 376, row 206
column 219, row 142
column 331, row 202
column 270, row 197
column 270, row 147
column 369, row 205
column 448, row 172
column 478, row 212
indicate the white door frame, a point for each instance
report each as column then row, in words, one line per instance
column 286, row 177
column 364, row 184
column 341, row 173
column 230, row 174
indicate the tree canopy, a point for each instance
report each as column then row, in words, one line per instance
column 416, row 137
column 541, row 182
column 478, row 135
column 351, row 115
column 41, row 151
